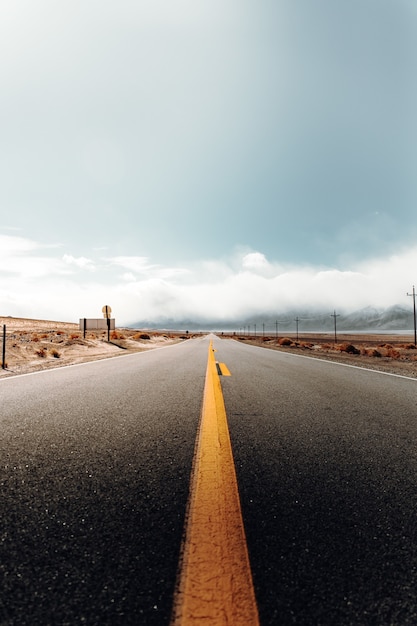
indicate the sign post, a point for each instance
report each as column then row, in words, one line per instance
column 106, row 310
column 3, row 364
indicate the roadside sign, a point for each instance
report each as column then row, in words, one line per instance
column 106, row 311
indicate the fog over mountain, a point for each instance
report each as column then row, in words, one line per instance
column 394, row 318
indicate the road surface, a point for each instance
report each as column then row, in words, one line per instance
column 95, row 466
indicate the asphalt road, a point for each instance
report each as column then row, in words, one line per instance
column 326, row 458
column 95, row 462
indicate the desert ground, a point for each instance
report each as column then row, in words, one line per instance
column 33, row 345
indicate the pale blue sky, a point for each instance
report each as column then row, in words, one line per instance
column 155, row 151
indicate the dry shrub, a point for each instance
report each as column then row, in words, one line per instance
column 142, row 336
column 74, row 336
column 285, row 341
column 41, row 353
column 409, row 346
column 117, row 335
column 35, row 338
column 60, row 332
column 349, row 348
column 373, row 352
column 306, row 345
column 392, row 353
column 55, row 354
column 44, row 336
column 370, row 352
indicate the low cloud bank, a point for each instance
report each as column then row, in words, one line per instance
column 48, row 282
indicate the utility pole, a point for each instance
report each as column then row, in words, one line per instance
column 277, row 325
column 414, row 308
column 335, row 333
column 297, row 319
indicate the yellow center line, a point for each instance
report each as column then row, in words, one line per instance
column 224, row 369
column 215, row 583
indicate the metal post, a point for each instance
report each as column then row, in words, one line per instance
column 4, row 347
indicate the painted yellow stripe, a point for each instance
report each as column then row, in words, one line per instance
column 215, row 585
column 224, row 369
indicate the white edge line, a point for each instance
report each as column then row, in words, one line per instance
column 357, row 367
column 64, row 367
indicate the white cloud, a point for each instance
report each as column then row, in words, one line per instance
column 140, row 265
column 255, row 260
column 136, row 264
column 80, row 262
column 54, row 287
column 128, row 277
column 13, row 245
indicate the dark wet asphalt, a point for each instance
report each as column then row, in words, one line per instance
column 95, row 464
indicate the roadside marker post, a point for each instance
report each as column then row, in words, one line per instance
column 106, row 310
column 3, row 364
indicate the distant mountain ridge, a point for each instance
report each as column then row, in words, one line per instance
column 391, row 318
column 395, row 317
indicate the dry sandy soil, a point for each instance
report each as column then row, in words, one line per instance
column 33, row 345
